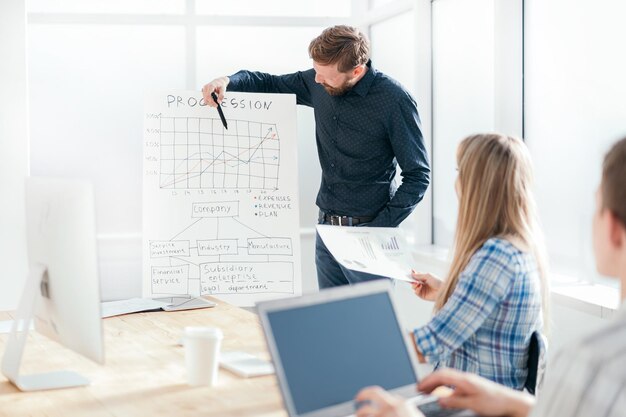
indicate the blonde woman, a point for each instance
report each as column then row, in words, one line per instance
column 495, row 295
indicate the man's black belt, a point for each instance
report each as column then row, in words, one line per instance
column 337, row 220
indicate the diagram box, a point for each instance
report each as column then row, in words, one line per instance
column 170, row 279
column 270, row 246
column 246, row 277
column 217, row 209
column 214, row 247
column 167, row 248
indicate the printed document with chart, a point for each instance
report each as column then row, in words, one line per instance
column 220, row 206
column 375, row 250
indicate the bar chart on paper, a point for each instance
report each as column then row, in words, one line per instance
column 220, row 212
column 198, row 153
column 380, row 251
column 391, row 244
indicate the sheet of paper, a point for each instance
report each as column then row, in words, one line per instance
column 133, row 305
column 245, row 364
column 375, row 250
column 220, row 206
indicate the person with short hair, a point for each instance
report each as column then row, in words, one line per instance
column 367, row 124
column 587, row 378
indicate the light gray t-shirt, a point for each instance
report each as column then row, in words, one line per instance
column 589, row 377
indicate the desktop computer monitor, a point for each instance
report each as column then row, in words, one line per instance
column 62, row 292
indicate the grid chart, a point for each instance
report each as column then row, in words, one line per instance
column 198, row 153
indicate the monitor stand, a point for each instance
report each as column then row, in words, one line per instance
column 37, row 279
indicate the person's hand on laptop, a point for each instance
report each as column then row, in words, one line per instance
column 477, row 394
column 376, row 402
column 425, row 285
column 471, row 392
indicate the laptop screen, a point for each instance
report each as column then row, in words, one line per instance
column 329, row 351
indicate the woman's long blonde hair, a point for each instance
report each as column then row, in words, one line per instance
column 495, row 200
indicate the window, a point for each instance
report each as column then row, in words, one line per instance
column 318, row 8
column 89, row 122
column 386, row 37
column 463, row 95
column 91, row 63
column 107, row 55
column 109, row 6
column 265, row 49
column 575, row 109
column 401, row 49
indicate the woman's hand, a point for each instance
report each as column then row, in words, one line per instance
column 425, row 285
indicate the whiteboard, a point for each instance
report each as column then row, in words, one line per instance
column 220, row 206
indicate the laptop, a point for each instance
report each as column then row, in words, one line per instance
column 329, row 345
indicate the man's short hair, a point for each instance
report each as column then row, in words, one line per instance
column 614, row 180
column 345, row 46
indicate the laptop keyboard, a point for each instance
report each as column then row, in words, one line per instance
column 432, row 409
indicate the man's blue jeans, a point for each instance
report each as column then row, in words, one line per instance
column 330, row 273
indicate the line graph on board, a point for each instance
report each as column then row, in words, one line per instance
column 198, row 153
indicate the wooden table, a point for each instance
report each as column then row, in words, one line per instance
column 144, row 372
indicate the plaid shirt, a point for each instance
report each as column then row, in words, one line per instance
column 486, row 324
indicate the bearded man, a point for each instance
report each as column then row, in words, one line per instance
column 366, row 125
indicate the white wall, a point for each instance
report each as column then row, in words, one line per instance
column 13, row 151
column 411, row 30
column 310, row 176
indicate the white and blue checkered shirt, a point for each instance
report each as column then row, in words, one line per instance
column 486, row 324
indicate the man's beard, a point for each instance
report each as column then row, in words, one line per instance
column 339, row 91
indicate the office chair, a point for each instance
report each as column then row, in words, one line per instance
column 536, row 362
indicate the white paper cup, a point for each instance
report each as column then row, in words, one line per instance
column 202, row 350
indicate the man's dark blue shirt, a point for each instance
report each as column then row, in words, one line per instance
column 361, row 137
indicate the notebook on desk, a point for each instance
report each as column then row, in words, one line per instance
column 138, row 305
column 327, row 346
